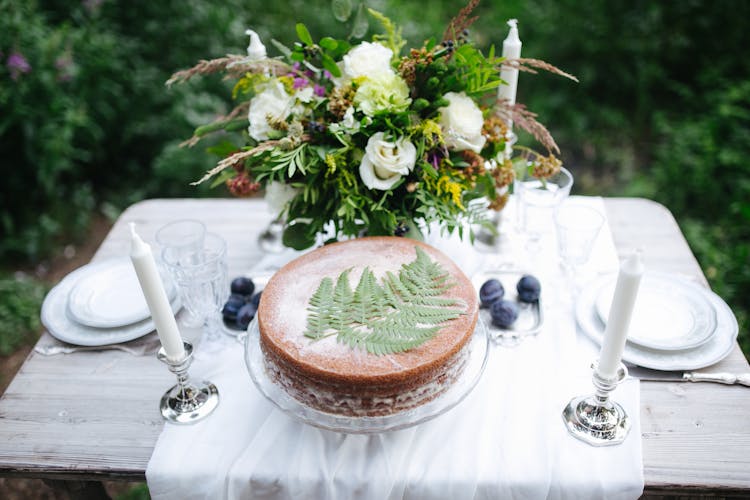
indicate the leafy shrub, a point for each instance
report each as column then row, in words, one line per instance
column 701, row 172
column 20, row 302
column 84, row 116
column 137, row 492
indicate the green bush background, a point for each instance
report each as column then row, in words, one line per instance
column 662, row 110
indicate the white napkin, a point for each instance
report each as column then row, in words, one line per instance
column 50, row 346
column 506, row 440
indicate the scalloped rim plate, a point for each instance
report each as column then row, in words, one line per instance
column 718, row 347
column 58, row 322
column 107, row 295
column 669, row 314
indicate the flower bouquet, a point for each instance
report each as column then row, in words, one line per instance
column 356, row 138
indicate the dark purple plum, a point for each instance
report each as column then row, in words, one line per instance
column 504, row 313
column 243, row 286
column 232, row 307
column 491, row 291
column 529, row 289
column 245, row 315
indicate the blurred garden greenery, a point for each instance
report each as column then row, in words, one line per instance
column 662, row 109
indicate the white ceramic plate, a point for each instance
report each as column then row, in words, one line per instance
column 108, row 295
column 59, row 323
column 670, row 314
column 714, row 350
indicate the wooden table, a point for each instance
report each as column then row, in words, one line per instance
column 92, row 416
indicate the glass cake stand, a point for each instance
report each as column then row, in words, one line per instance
column 478, row 352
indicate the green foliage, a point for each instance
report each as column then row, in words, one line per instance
column 20, row 303
column 701, row 172
column 89, row 119
column 137, row 492
column 403, row 313
column 479, row 73
column 392, row 37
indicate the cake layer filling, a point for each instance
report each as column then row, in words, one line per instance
column 355, row 401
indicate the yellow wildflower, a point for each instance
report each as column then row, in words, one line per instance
column 243, row 85
column 288, row 83
column 331, row 162
column 446, row 186
column 432, row 133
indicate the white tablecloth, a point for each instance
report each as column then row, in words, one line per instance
column 506, row 440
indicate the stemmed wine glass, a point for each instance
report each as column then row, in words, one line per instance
column 182, row 240
column 577, row 229
column 203, row 280
column 538, row 199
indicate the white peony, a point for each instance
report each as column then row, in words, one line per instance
column 278, row 195
column 462, row 122
column 367, row 59
column 386, row 161
column 273, row 102
column 383, row 92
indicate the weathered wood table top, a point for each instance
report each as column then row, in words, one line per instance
column 94, row 415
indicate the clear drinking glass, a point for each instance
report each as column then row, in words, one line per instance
column 183, row 238
column 203, row 279
column 577, row 229
column 538, row 199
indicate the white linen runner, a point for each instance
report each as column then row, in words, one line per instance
column 506, row 440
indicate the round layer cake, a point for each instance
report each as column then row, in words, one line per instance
column 343, row 377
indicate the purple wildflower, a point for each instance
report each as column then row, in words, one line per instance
column 299, row 83
column 319, row 90
column 327, row 74
column 17, row 64
column 434, row 157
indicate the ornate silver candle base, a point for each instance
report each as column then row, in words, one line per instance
column 186, row 402
column 595, row 419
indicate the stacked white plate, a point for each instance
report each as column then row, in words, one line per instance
column 100, row 304
column 676, row 324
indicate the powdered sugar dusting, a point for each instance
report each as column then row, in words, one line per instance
column 283, row 309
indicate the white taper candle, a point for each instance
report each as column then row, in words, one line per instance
column 156, row 297
column 511, row 50
column 620, row 312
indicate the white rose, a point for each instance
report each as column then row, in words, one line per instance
column 462, row 123
column 278, row 195
column 386, row 161
column 367, row 59
column 273, row 102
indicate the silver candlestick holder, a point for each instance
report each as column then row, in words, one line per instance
column 596, row 419
column 187, row 402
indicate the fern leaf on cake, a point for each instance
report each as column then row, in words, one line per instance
column 404, row 312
